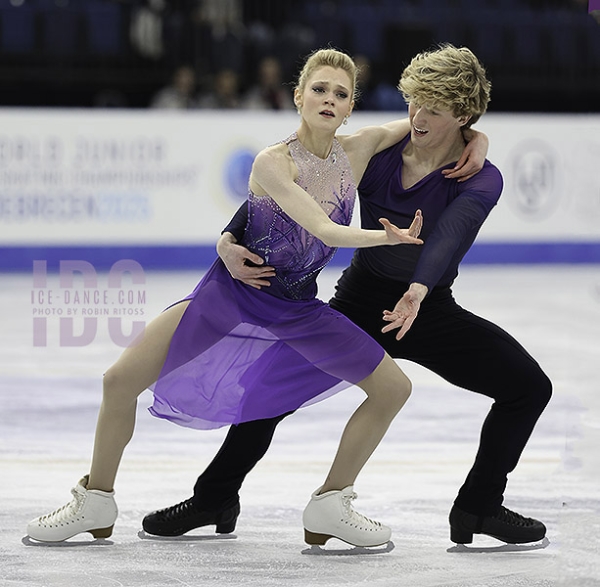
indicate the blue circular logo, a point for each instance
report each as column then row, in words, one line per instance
column 237, row 172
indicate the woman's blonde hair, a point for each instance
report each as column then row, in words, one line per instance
column 450, row 78
column 333, row 58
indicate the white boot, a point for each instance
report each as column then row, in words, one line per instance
column 90, row 511
column 330, row 515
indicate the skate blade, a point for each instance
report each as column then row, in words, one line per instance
column 187, row 537
column 351, row 551
column 504, row 547
column 28, row 541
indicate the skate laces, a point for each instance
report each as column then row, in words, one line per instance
column 356, row 517
column 512, row 518
column 180, row 510
column 66, row 511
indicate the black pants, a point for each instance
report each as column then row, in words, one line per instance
column 463, row 348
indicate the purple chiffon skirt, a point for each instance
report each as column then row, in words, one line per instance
column 241, row 354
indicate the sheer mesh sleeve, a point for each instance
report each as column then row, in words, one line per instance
column 456, row 230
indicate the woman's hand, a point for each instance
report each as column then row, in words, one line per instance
column 473, row 157
column 397, row 236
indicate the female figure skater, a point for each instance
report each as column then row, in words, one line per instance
column 230, row 353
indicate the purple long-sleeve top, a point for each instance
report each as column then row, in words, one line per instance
column 453, row 213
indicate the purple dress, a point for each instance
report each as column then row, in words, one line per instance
column 242, row 354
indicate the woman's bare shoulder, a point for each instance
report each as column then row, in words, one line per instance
column 273, row 155
column 272, row 163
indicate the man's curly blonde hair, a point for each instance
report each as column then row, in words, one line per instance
column 450, row 78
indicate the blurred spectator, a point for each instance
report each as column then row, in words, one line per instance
column 219, row 33
column 269, row 93
column 146, row 29
column 225, row 91
column 279, row 28
column 180, row 94
column 178, row 34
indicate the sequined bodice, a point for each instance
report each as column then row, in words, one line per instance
column 297, row 255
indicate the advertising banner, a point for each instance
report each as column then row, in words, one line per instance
column 160, row 186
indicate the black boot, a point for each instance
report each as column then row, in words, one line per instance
column 185, row 516
column 507, row 526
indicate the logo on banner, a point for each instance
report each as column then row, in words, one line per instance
column 236, row 172
column 534, row 193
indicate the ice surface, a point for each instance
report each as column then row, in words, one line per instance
column 51, row 394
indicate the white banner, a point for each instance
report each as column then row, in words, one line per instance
column 128, row 177
column 94, row 178
column 551, row 169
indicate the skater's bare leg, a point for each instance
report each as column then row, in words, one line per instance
column 138, row 367
column 329, row 513
column 387, row 390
